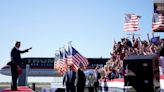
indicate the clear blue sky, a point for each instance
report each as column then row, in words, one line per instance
column 47, row 25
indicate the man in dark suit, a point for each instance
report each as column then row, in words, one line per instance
column 16, row 63
column 81, row 78
column 69, row 79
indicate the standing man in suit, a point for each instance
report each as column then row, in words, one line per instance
column 69, row 79
column 16, row 63
column 81, row 78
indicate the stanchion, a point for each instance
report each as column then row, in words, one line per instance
column 33, row 86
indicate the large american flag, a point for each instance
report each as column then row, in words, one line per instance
column 131, row 22
column 158, row 22
column 75, row 58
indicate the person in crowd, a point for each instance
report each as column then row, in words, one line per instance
column 69, row 79
column 16, row 63
column 161, row 59
column 80, row 79
column 106, row 69
column 98, row 76
column 102, row 73
column 90, row 80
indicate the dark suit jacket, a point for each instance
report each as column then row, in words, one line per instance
column 80, row 78
column 66, row 79
column 16, row 57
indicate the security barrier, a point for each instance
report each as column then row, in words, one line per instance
column 117, row 85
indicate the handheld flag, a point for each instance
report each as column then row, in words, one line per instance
column 131, row 23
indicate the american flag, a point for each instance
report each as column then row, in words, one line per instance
column 61, row 64
column 76, row 58
column 131, row 22
column 158, row 22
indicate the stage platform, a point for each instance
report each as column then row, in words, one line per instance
column 20, row 89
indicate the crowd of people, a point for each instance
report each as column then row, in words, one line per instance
column 125, row 47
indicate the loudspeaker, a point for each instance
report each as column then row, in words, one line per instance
column 142, row 72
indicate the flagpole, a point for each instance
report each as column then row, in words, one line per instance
column 70, row 42
column 55, row 58
column 64, row 55
column 70, row 47
column 69, row 53
column 153, row 35
column 148, row 38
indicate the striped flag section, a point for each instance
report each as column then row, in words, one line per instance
column 131, row 23
column 75, row 58
column 61, row 65
column 158, row 22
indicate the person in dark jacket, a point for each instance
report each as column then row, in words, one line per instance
column 69, row 79
column 81, row 78
column 16, row 63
